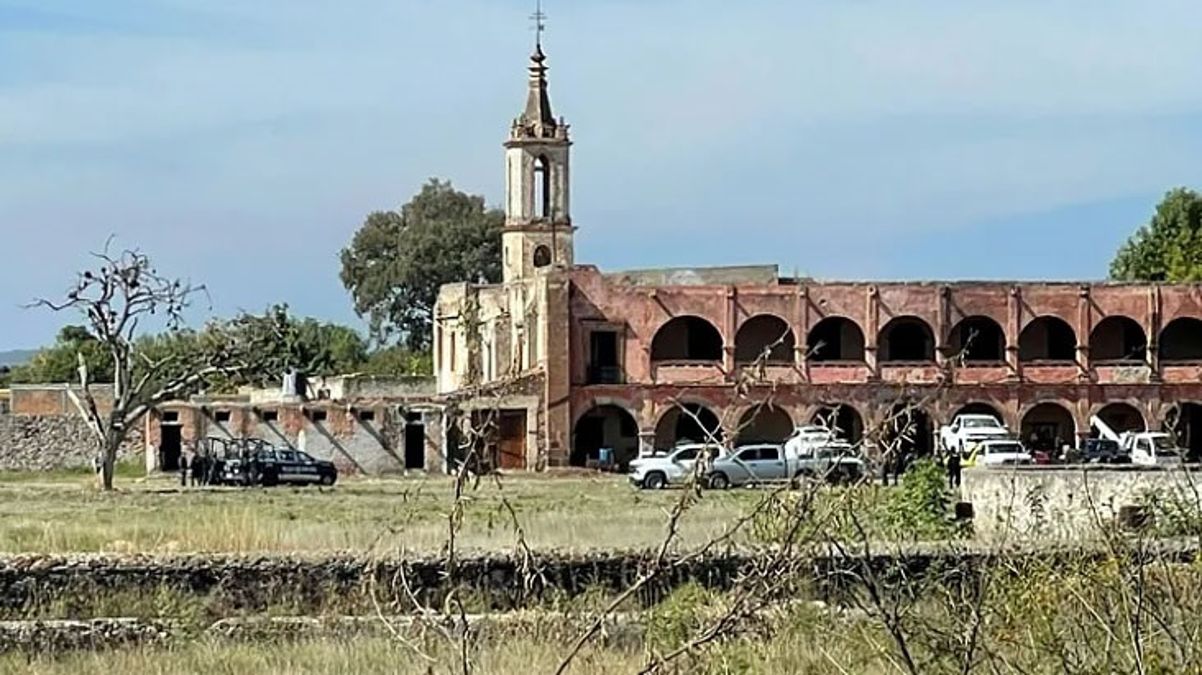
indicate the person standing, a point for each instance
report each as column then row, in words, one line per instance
column 953, row 470
column 183, row 469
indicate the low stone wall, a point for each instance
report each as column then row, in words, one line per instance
column 1068, row 504
column 47, row 442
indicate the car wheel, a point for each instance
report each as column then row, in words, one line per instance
column 655, row 481
column 719, row 481
column 328, row 480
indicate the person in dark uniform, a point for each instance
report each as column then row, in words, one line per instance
column 953, row 470
column 198, row 469
column 183, row 469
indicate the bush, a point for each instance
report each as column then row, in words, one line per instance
column 920, row 508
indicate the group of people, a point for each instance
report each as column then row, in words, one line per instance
column 200, row 469
column 894, row 465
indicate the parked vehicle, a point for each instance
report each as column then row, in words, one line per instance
column 998, row 452
column 658, row 471
column 1103, row 451
column 1146, row 448
column 268, row 466
column 968, row 430
column 818, row 453
column 749, row 465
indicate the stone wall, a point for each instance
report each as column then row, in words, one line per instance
column 1069, row 504
column 46, row 442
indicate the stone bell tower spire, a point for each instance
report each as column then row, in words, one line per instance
column 538, row 222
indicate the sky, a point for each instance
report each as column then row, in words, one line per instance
column 241, row 144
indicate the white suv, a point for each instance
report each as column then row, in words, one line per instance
column 673, row 468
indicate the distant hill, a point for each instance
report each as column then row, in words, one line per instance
column 16, row 357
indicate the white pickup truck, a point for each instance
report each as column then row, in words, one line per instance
column 1145, row 448
column 817, row 452
column 967, row 430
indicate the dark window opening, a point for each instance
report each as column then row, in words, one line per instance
column 603, row 358
column 542, row 185
column 415, row 445
column 1181, row 340
column 317, row 415
column 835, row 339
column 766, row 339
column 978, row 339
column 542, row 256
column 1047, row 338
column 271, row 415
column 414, row 417
column 170, row 447
column 1118, row 338
column 222, row 416
column 907, row 339
column 171, row 416
column 367, row 415
column 687, row 338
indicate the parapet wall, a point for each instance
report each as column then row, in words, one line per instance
column 1069, row 504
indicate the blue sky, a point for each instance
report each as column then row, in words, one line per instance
column 241, row 143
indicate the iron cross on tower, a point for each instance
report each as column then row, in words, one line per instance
column 540, row 22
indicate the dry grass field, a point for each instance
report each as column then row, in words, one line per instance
column 64, row 513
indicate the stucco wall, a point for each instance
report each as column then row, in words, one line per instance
column 1064, row 504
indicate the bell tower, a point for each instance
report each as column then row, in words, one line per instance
column 538, row 221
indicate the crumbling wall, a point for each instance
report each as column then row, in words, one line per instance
column 48, row 442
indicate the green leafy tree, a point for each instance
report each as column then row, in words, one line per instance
column 398, row 360
column 59, row 362
column 306, row 345
column 397, row 261
column 1169, row 248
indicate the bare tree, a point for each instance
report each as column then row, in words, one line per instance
column 118, row 297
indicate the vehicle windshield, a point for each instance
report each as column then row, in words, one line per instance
column 689, row 454
column 980, row 423
column 1164, row 446
column 1003, row 448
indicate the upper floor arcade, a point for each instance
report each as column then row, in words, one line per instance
column 850, row 332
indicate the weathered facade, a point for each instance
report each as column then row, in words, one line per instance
column 611, row 359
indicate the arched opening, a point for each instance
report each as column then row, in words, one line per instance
column 907, row 338
column 1120, row 417
column 542, row 256
column 764, row 337
column 841, row 418
column 605, row 426
column 980, row 409
column 978, row 339
column 1181, row 340
column 1118, row 339
column 687, row 338
column 1047, row 338
column 1048, row 427
column 908, row 432
column 690, row 423
column 1184, row 421
column 764, row 424
column 542, row 187
column 835, row 338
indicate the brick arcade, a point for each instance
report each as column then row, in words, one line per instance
column 608, row 358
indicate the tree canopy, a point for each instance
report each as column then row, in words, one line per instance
column 397, row 261
column 1169, row 248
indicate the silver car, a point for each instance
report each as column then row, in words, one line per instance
column 748, row 465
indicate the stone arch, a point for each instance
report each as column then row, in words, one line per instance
column 1048, row 426
column 605, row 426
column 840, row 417
column 687, row 338
column 765, row 333
column 764, row 423
column 907, row 338
column 1181, row 340
column 1121, row 417
column 978, row 339
column 1047, row 338
column 908, row 431
column 1118, row 339
column 542, row 256
column 687, row 423
column 835, row 338
column 1184, row 421
column 979, row 408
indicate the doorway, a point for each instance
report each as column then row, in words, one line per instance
column 415, row 442
column 511, row 441
column 170, row 446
